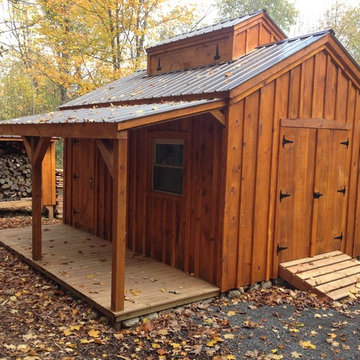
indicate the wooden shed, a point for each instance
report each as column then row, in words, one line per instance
column 235, row 151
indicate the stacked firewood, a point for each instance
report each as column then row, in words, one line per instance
column 15, row 171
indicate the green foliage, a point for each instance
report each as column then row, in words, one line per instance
column 344, row 19
column 283, row 12
column 22, row 94
column 80, row 45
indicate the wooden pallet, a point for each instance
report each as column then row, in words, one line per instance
column 333, row 274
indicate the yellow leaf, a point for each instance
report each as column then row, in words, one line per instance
column 86, row 341
column 278, row 356
column 75, row 327
column 230, row 357
column 175, row 345
column 163, row 332
column 214, row 341
column 94, row 333
column 67, row 332
column 231, row 313
column 307, row 345
column 229, row 336
column 18, row 294
column 90, row 276
column 294, row 330
column 135, row 292
column 155, row 346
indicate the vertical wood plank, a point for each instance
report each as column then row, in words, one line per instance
column 319, row 85
column 232, row 152
column 354, row 118
column 280, row 111
column 36, row 210
column 330, row 90
column 263, row 169
column 248, row 178
column 119, row 225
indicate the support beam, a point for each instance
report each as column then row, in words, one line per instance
column 107, row 153
column 119, row 223
column 219, row 116
column 36, row 148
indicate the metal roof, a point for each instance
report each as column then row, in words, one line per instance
column 113, row 114
column 211, row 80
column 207, row 29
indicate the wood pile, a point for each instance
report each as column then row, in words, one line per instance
column 15, row 171
column 59, row 193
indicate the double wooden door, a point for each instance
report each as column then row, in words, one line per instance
column 311, row 192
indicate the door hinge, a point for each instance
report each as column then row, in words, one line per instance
column 339, row 237
column 286, row 141
column 283, row 195
column 317, row 195
column 280, row 248
column 346, row 143
column 343, row 190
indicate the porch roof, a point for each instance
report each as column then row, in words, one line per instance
column 104, row 122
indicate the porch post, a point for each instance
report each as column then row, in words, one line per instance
column 119, row 221
column 36, row 148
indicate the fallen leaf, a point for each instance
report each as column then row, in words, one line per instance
column 307, row 345
column 94, row 333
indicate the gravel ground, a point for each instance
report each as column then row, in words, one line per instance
column 40, row 321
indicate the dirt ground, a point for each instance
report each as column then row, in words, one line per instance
column 38, row 320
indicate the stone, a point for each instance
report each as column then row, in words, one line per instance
column 151, row 316
column 279, row 282
column 266, row 284
column 234, row 293
column 255, row 287
column 130, row 322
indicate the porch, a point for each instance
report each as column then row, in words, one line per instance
column 81, row 263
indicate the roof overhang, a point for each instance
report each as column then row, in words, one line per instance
column 328, row 43
column 107, row 123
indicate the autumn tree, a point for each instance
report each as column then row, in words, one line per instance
column 79, row 45
column 283, row 12
column 344, row 19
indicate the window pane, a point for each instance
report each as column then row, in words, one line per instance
column 168, row 179
column 169, row 154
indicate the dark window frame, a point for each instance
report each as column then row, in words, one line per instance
column 165, row 166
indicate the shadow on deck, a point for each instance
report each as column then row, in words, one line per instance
column 81, row 263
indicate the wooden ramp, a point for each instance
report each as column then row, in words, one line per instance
column 333, row 274
column 81, row 263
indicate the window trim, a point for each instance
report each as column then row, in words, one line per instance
column 166, row 141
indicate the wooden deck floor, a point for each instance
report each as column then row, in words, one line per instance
column 81, row 263
column 333, row 274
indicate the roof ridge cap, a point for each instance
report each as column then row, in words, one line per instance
column 207, row 26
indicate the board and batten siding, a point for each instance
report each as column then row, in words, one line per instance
column 317, row 88
column 181, row 231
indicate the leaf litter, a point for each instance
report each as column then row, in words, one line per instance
column 38, row 320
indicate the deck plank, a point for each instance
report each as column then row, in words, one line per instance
column 332, row 274
column 81, row 263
